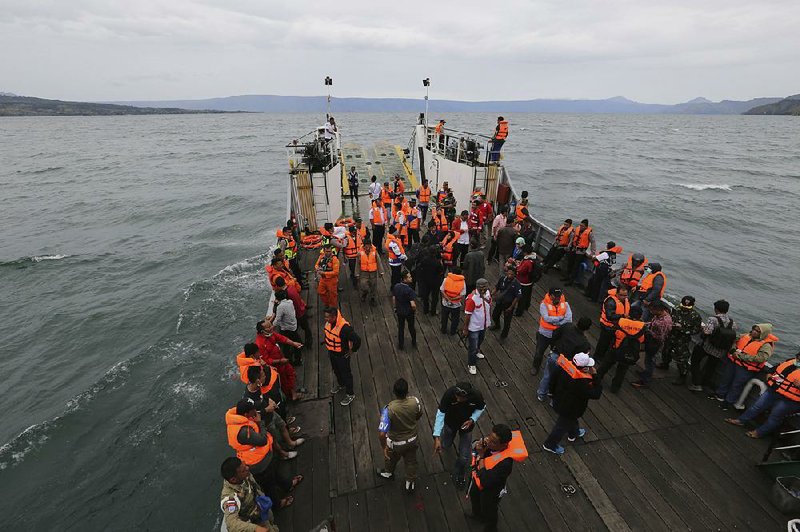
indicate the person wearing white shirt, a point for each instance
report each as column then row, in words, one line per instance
column 374, row 189
column 478, row 310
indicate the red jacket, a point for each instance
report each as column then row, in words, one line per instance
column 297, row 301
column 268, row 348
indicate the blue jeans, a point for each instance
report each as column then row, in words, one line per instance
column 463, row 450
column 549, row 367
column 475, row 340
column 734, row 377
column 651, row 347
column 780, row 408
column 497, row 145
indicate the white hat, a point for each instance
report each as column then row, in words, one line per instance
column 583, row 360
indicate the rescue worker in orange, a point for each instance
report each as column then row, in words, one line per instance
column 397, row 254
column 340, row 341
column 253, row 446
column 628, row 340
column 413, row 218
column 439, row 133
column 650, row 289
column 572, row 387
column 744, row 361
column 352, row 248
column 632, row 272
column 267, row 341
column 493, row 460
column 327, row 273
column 400, row 221
column 424, row 198
column 378, row 218
column 554, row 311
column 290, row 248
column 781, row 399
column 369, row 268
column 582, row 241
column 386, row 196
column 442, row 194
column 398, row 187
column 498, row 139
column 278, row 269
column 614, row 307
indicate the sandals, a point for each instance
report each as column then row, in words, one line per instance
column 286, row 502
column 734, row 421
column 752, row 434
column 291, row 419
column 295, row 481
column 294, row 430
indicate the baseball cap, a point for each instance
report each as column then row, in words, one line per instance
column 520, row 240
column 583, row 360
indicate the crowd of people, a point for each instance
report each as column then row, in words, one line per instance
column 439, row 264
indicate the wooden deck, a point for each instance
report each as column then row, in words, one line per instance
column 656, row 459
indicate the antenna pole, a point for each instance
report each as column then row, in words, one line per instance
column 427, row 83
column 328, row 83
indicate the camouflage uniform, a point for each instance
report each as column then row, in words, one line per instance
column 686, row 323
column 239, row 506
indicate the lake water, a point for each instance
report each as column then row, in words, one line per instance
column 131, row 268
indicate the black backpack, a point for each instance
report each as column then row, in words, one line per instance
column 723, row 336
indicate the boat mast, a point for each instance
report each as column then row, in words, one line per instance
column 427, row 84
column 328, row 83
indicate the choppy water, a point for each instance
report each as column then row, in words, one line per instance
column 131, row 272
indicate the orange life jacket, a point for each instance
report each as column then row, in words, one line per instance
column 647, row 284
column 362, row 232
column 628, row 327
column 563, row 236
column 441, row 220
column 516, row 450
column 273, row 274
column 502, row 130
column 453, row 285
column 392, row 254
column 250, row 455
column 571, row 369
column 616, row 250
column 447, row 249
column 386, row 195
column 440, row 196
column 413, row 222
column 378, row 214
column 333, row 341
column 353, row 246
column 244, row 362
column 399, row 187
column 291, row 245
column 631, row 276
column 519, row 213
column 581, row 238
column 750, row 347
column 625, row 310
column 424, row 195
column 438, row 130
column 786, row 380
column 369, row 261
column 553, row 310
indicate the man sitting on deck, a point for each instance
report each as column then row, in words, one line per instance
column 243, row 500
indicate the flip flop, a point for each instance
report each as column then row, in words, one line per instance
column 297, row 480
column 290, row 420
column 294, row 430
column 286, row 502
column 734, row 421
column 501, row 384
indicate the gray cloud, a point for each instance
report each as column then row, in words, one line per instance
column 652, row 51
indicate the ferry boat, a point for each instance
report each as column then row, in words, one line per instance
column 655, row 459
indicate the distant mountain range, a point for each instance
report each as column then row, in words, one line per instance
column 787, row 106
column 12, row 105
column 303, row 104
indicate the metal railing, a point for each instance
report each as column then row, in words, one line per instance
column 460, row 146
column 314, row 152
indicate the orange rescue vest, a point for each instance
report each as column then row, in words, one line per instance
column 516, row 450
column 333, row 341
column 563, row 236
column 378, row 215
column 553, row 310
column 628, row 327
column 571, row 369
column 424, row 195
column 581, row 239
column 786, row 380
column 750, row 347
column 353, row 246
column 453, row 285
column 392, row 255
column 647, row 284
column 369, row 261
column 250, row 455
column 502, row 130
column 625, row 310
column 631, row 276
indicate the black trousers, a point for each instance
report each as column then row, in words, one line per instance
column 296, row 271
column 553, row 256
column 493, row 254
column 354, row 191
column 402, row 320
column 574, row 261
column 564, row 425
column 524, row 300
column 292, row 353
column 424, row 211
column 342, row 371
column 459, row 252
column 377, row 238
column 703, row 376
column 302, row 322
column 500, row 311
column 275, row 480
column 484, row 506
column 413, row 236
column 603, row 343
column 608, row 363
column 542, row 343
column 351, row 263
column 429, row 295
column 396, row 274
column 593, row 287
column 452, row 315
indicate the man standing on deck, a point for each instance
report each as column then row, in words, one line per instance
column 498, row 223
column 413, row 220
column 478, row 319
column 340, row 341
column 582, row 240
column 369, row 268
column 352, row 182
column 327, row 270
column 506, row 295
column 719, row 336
column 560, row 244
column 474, row 264
column 352, row 248
column 506, row 240
column 285, row 321
column 528, row 272
column 397, row 255
column 460, row 227
column 686, row 323
column 378, row 218
column 397, row 433
column 439, row 134
column 498, row 139
column 374, row 189
column 300, row 309
column 404, row 301
column 568, row 340
column 453, row 290
column 614, row 307
column 650, row 289
column 428, row 275
column 554, row 311
column 424, row 198
column 572, row 387
column 460, row 408
column 655, row 335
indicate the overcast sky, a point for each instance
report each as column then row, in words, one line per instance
column 660, row 51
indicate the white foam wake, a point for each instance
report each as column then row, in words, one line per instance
column 703, row 186
column 48, row 257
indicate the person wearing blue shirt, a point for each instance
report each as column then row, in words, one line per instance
column 459, row 410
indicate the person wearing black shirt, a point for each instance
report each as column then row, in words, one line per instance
column 272, row 407
column 405, row 305
column 340, row 345
column 484, row 494
column 506, row 295
column 568, row 340
column 459, row 410
column 428, row 274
